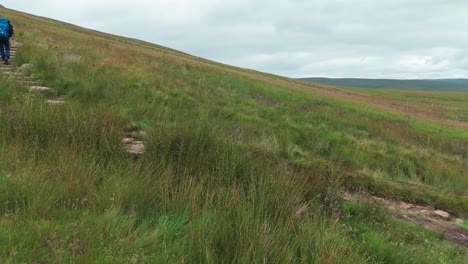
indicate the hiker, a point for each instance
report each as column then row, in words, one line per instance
column 6, row 32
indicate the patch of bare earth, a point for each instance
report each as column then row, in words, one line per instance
column 436, row 220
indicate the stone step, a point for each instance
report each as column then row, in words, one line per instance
column 26, row 78
column 135, row 148
column 55, row 102
column 34, row 86
column 17, row 74
column 30, row 83
column 39, row 88
column 8, row 75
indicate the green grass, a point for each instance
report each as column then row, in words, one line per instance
column 387, row 240
column 452, row 105
column 236, row 170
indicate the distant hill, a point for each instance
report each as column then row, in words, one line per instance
column 459, row 85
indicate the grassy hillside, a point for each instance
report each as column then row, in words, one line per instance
column 239, row 167
column 448, row 105
column 454, row 85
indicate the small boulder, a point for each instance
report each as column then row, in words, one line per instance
column 441, row 214
column 425, row 212
column 405, row 206
column 25, row 66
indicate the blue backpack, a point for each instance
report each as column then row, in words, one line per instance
column 4, row 28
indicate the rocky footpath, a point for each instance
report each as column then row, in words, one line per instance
column 133, row 140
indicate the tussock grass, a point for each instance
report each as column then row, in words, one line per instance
column 455, row 203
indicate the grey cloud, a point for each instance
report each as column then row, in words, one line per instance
column 336, row 38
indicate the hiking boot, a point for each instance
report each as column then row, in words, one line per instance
column 7, row 62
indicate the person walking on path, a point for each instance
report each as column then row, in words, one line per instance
column 6, row 32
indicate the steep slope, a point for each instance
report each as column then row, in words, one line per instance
column 239, row 166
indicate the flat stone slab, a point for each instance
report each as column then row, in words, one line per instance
column 55, row 102
column 441, row 214
column 39, row 88
column 136, row 148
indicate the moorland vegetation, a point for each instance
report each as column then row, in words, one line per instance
column 239, row 166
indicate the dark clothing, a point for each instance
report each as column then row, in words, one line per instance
column 5, row 49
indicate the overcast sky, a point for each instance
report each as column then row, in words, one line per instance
column 295, row 38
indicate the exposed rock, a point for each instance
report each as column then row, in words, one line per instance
column 25, row 66
column 136, row 148
column 438, row 221
column 455, row 235
column 347, row 198
column 441, row 214
column 425, row 212
column 405, row 206
column 128, row 140
column 133, row 142
column 55, row 102
column 39, row 88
